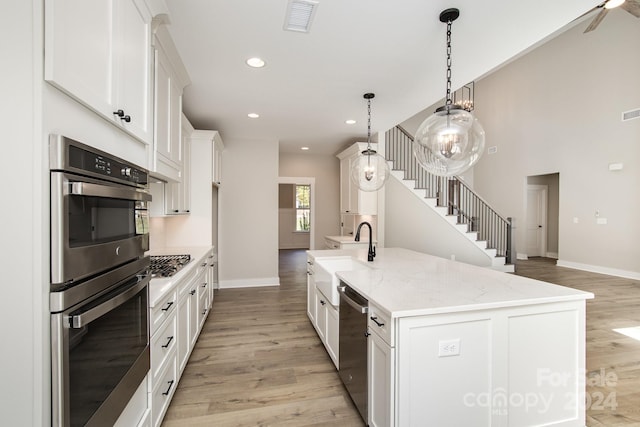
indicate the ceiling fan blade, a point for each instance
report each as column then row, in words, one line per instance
column 632, row 6
column 596, row 21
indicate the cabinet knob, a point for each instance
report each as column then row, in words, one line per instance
column 119, row 113
column 126, row 118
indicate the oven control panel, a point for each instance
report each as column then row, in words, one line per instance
column 73, row 156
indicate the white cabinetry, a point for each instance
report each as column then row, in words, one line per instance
column 176, row 322
column 353, row 200
column 174, row 198
column 381, row 365
column 170, row 79
column 99, row 53
column 323, row 315
column 178, row 194
column 164, row 376
column 218, row 148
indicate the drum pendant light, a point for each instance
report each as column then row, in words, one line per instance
column 451, row 140
column 369, row 171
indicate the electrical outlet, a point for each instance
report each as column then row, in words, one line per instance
column 449, row 348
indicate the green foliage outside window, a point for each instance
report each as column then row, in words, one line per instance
column 303, row 207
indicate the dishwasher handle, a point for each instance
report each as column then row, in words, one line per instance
column 343, row 294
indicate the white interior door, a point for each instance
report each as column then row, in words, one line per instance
column 536, row 233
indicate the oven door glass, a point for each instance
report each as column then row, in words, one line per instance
column 107, row 353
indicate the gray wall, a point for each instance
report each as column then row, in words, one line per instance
column 558, row 109
column 248, row 196
column 326, row 171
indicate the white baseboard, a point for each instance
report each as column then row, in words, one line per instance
column 599, row 269
column 552, row 255
column 522, row 256
column 249, row 283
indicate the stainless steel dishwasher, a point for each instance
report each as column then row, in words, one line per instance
column 353, row 346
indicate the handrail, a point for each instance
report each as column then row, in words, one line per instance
column 452, row 193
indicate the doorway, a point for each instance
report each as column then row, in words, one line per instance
column 542, row 215
column 296, row 213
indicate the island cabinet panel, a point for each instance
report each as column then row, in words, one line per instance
column 504, row 367
column 381, row 365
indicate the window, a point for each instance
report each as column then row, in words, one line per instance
column 303, row 207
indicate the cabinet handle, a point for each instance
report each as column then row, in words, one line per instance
column 169, row 304
column 375, row 320
column 169, row 339
column 193, row 292
column 204, row 285
column 176, row 210
column 119, row 113
column 310, row 273
column 204, row 264
column 166, row 393
column 322, row 302
column 204, row 311
column 126, row 118
column 366, row 334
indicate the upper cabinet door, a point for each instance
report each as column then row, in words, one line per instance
column 79, row 50
column 99, row 53
column 134, row 67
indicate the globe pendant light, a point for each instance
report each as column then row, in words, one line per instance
column 370, row 170
column 451, row 140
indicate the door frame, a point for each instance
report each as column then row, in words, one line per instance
column 545, row 192
column 311, row 181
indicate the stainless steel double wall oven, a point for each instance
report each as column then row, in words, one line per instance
column 99, row 283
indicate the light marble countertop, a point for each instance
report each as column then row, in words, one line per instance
column 160, row 286
column 407, row 283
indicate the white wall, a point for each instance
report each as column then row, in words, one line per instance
column 24, row 219
column 248, row 235
column 558, row 109
column 410, row 223
column 326, row 171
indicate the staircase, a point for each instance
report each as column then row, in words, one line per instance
column 453, row 200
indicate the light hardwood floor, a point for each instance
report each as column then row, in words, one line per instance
column 259, row 362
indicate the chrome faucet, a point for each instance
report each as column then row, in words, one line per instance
column 372, row 250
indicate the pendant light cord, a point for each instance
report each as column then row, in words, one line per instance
column 369, row 124
column 448, row 98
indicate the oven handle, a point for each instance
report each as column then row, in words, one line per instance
column 80, row 320
column 97, row 190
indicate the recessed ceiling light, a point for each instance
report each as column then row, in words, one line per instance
column 255, row 62
column 253, row 115
column 304, row 148
column 350, row 122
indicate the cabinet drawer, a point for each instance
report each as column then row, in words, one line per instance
column 163, row 343
column 380, row 322
column 163, row 310
column 163, row 391
column 185, row 283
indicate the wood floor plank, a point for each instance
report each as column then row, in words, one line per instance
column 259, row 362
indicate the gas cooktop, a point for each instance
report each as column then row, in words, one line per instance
column 168, row 265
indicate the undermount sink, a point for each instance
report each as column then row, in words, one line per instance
column 325, row 277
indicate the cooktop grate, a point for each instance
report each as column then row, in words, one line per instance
column 168, row 265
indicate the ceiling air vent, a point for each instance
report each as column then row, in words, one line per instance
column 633, row 114
column 299, row 15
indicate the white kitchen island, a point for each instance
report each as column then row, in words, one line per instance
column 453, row 344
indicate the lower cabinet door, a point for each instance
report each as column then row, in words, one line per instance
column 163, row 391
column 184, row 342
column 381, row 381
column 331, row 336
